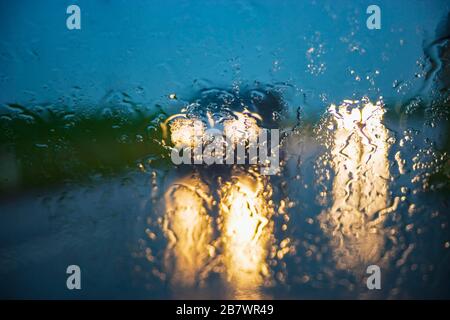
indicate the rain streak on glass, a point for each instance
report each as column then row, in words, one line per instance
column 88, row 121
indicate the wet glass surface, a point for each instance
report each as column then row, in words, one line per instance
column 88, row 119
